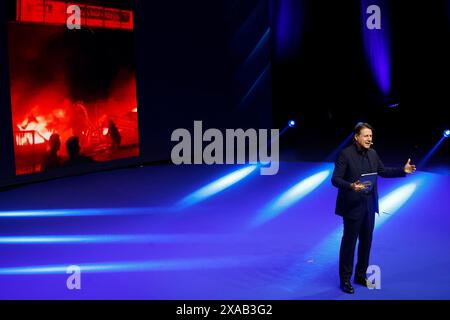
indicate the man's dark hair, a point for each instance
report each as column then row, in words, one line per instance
column 362, row 125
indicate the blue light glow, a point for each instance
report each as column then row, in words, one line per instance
column 333, row 155
column 144, row 266
column 430, row 153
column 256, row 83
column 447, row 133
column 392, row 202
column 377, row 45
column 292, row 196
column 261, row 43
column 87, row 239
column 393, row 106
column 287, row 16
column 291, row 123
column 217, row 186
column 81, row 212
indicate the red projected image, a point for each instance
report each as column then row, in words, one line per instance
column 73, row 87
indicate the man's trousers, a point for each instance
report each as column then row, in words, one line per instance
column 361, row 229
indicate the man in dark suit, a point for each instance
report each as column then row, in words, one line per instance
column 357, row 202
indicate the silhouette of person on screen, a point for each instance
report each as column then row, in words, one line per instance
column 114, row 134
column 357, row 203
column 73, row 149
column 51, row 159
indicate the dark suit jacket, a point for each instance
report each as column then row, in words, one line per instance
column 350, row 204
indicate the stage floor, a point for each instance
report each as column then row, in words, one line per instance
column 216, row 232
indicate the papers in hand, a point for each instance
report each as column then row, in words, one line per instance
column 369, row 180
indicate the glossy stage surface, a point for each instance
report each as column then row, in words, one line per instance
column 216, row 232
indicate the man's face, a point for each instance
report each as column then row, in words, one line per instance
column 364, row 138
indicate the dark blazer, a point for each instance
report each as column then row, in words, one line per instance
column 350, row 204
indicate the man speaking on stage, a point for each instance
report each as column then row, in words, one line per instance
column 355, row 175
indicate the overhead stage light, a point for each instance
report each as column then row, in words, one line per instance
column 430, row 153
column 447, row 133
column 291, row 123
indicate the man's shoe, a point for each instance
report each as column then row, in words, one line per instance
column 361, row 281
column 346, row 286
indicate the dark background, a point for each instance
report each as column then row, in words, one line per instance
column 327, row 86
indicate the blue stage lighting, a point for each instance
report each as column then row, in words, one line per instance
column 394, row 105
column 291, row 196
column 217, row 186
column 291, row 123
column 430, row 153
column 83, row 212
column 140, row 266
column 447, row 133
column 124, row 238
column 393, row 201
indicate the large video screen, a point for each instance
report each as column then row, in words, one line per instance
column 73, row 84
